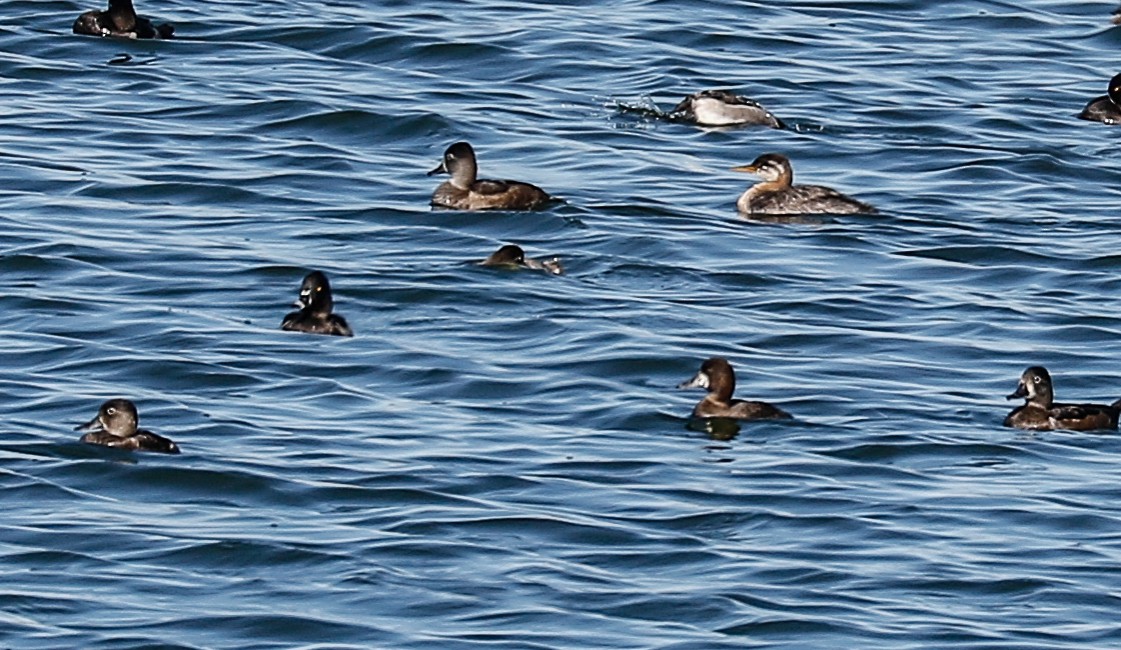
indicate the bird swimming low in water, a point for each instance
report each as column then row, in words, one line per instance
column 717, row 376
column 315, row 303
column 1041, row 412
column 116, row 426
column 777, row 194
column 464, row 191
column 512, row 256
column 120, row 20
column 1107, row 108
column 723, row 108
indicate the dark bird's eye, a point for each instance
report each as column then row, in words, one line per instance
column 1037, row 379
column 111, row 411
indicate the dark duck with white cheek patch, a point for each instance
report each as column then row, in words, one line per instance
column 1107, row 108
column 315, row 303
column 464, row 191
column 778, row 194
column 120, row 20
column 717, row 376
column 1041, row 412
column 512, row 256
column 723, row 108
column 116, row 426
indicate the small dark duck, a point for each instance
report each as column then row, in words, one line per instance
column 464, row 191
column 512, row 256
column 116, row 426
column 723, row 108
column 315, row 303
column 1107, row 108
column 1041, row 412
column 777, row 194
column 120, row 20
column 717, row 376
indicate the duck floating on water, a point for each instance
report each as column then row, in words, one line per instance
column 120, row 20
column 1041, row 412
column 315, row 303
column 723, row 108
column 464, row 191
column 717, row 376
column 512, row 256
column 1107, row 108
column 777, row 194
column 116, row 425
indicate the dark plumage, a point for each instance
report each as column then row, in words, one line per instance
column 512, row 255
column 315, row 303
column 120, row 20
column 717, row 376
column 1107, row 108
column 1041, row 412
column 116, row 426
column 465, row 192
column 777, row 194
column 723, row 108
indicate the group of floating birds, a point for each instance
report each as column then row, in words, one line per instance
column 117, row 421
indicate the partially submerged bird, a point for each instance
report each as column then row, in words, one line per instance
column 120, row 20
column 1106, row 108
column 464, row 191
column 116, row 426
column 723, row 108
column 315, row 303
column 717, row 376
column 1041, row 412
column 512, row 256
column 777, row 194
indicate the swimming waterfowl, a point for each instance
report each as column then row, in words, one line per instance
column 723, row 108
column 512, row 255
column 1107, row 108
column 465, row 192
column 120, row 20
column 717, row 376
column 315, row 303
column 778, row 195
column 116, row 426
column 1041, row 412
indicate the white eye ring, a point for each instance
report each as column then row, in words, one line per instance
column 1037, row 379
column 111, row 411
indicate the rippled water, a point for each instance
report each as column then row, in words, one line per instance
column 500, row 459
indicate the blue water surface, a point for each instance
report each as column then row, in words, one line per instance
column 499, row 459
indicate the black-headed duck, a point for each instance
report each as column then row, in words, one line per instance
column 717, row 376
column 315, row 303
column 120, row 20
column 1107, row 108
column 116, row 426
column 464, row 191
column 723, row 108
column 1041, row 412
column 512, row 256
column 777, row 194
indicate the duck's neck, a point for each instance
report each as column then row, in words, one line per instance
column 122, row 14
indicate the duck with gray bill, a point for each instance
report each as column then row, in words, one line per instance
column 315, row 303
column 512, row 256
column 120, row 20
column 716, row 375
column 117, row 425
column 1041, row 412
column 464, row 190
